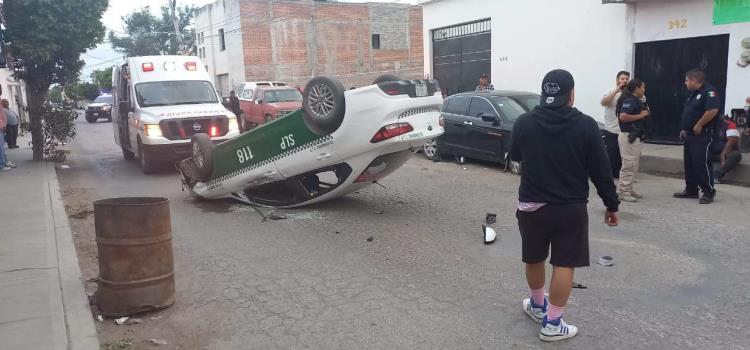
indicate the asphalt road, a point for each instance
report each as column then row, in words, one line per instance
column 426, row 281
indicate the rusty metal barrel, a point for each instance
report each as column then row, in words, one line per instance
column 136, row 266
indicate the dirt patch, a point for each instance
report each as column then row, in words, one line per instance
column 182, row 326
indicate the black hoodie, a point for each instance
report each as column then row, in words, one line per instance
column 559, row 150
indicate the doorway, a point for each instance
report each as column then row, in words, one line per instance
column 461, row 54
column 662, row 66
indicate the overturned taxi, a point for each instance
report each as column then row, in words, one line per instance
column 339, row 142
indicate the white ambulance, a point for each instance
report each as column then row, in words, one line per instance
column 160, row 102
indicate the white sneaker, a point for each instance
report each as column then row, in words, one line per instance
column 556, row 330
column 5, row 168
column 10, row 164
column 536, row 312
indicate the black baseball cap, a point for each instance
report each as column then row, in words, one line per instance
column 556, row 88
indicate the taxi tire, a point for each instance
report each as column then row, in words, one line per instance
column 201, row 145
column 323, row 124
column 385, row 78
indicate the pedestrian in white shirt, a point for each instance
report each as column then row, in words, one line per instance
column 611, row 123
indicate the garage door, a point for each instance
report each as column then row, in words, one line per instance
column 461, row 53
column 662, row 66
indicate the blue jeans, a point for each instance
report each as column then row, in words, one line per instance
column 3, row 160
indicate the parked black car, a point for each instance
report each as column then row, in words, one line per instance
column 479, row 124
column 100, row 108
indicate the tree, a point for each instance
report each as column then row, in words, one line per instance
column 88, row 91
column 46, row 40
column 102, row 78
column 56, row 94
column 147, row 34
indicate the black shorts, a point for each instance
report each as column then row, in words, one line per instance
column 564, row 227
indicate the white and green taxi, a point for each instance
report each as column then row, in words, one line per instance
column 339, row 142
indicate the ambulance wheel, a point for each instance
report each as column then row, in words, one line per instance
column 202, row 150
column 323, row 105
column 384, row 78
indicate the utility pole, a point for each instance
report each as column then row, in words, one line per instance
column 177, row 34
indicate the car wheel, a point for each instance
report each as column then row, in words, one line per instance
column 127, row 154
column 384, row 78
column 267, row 119
column 513, row 166
column 323, row 105
column 91, row 119
column 202, row 156
column 147, row 164
column 431, row 150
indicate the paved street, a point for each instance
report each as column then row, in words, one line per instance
column 425, row 281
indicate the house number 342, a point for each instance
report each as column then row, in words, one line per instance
column 677, row 24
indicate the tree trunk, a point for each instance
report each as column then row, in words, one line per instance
column 36, row 93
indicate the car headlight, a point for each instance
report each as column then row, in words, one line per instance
column 106, row 108
column 152, row 130
column 233, row 124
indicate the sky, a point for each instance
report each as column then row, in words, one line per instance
column 103, row 56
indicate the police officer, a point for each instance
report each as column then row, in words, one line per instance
column 698, row 123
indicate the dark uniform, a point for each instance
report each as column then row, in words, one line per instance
column 697, row 158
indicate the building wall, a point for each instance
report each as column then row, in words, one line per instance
column 295, row 40
column 10, row 91
column 530, row 38
column 659, row 21
column 221, row 14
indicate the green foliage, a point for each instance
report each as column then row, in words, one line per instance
column 147, row 34
column 46, row 39
column 58, row 128
column 56, row 94
column 102, row 78
column 88, row 91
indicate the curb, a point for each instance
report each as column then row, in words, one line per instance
column 79, row 323
column 673, row 167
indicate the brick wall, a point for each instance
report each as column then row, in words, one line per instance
column 292, row 40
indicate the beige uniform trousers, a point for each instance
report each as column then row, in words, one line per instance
column 631, row 159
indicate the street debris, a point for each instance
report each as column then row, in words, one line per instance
column 133, row 321
column 337, row 232
column 466, row 168
column 120, row 321
column 606, row 261
column 155, row 318
column 379, row 212
column 276, row 217
column 211, row 300
column 490, row 218
column 100, row 318
column 579, row 286
column 488, row 234
column 75, row 234
column 122, row 344
column 369, row 239
column 81, row 213
column 157, row 341
column 64, row 167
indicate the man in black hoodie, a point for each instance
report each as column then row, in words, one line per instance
column 561, row 148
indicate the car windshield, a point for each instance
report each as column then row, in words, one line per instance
column 528, row 102
column 509, row 108
column 103, row 99
column 285, row 95
column 169, row 93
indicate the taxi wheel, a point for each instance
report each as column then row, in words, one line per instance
column 202, row 150
column 385, row 77
column 323, row 105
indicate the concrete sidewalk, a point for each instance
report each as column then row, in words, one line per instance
column 667, row 160
column 43, row 304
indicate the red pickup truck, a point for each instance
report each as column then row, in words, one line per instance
column 269, row 103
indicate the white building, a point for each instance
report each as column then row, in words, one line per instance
column 219, row 43
column 15, row 92
column 517, row 42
